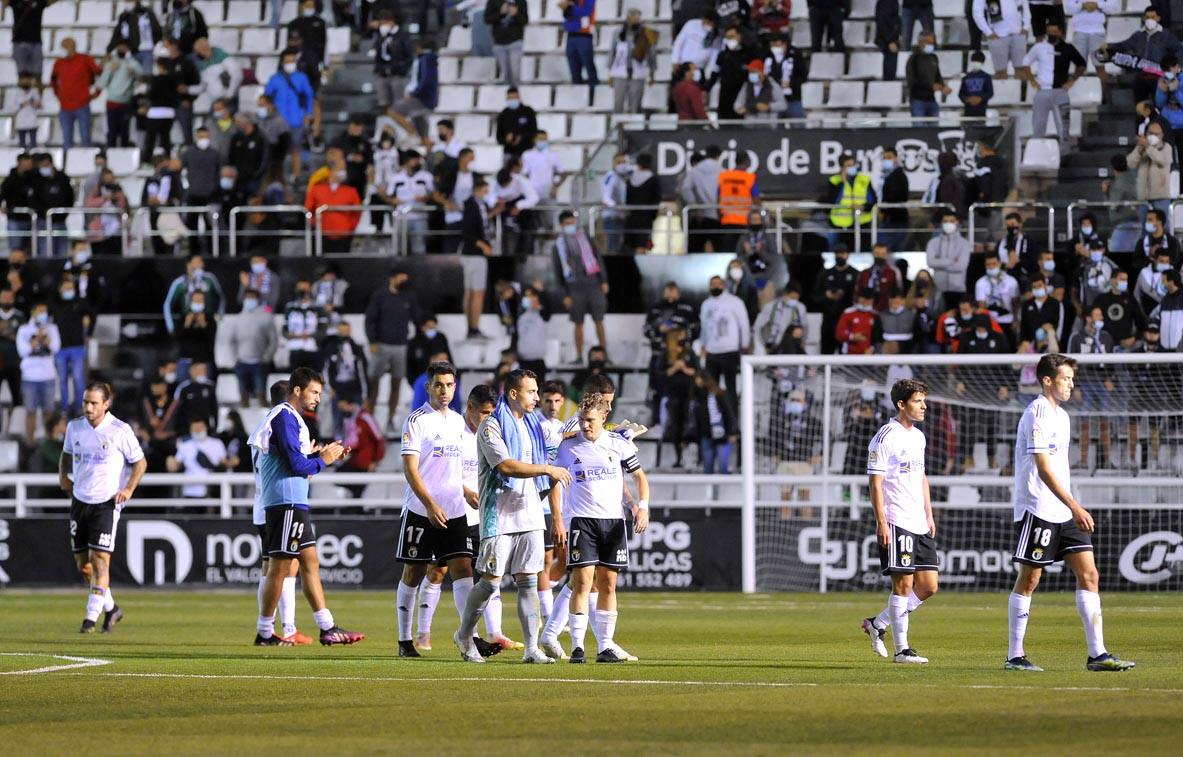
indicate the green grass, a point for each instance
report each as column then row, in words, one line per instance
column 705, row 683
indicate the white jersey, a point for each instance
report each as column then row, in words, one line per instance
column 597, row 475
column 471, row 479
column 438, row 439
column 897, row 454
column 101, row 457
column 518, row 508
column 1043, row 429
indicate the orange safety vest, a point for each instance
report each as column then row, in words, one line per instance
column 735, row 197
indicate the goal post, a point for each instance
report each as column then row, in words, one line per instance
column 806, row 420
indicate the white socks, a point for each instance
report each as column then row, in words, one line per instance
column 883, row 619
column 324, row 619
column 578, row 630
column 559, row 614
column 593, row 599
column 1018, row 610
column 287, row 605
column 461, row 588
column 493, row 614
column 429, row 599
column 898, row 610
column 266, row 626
column 546, row 601
column 108, row 600
column 262, row 588
column 94, row 603
column 1088, row 604
column 405, row 604
column 605, row 628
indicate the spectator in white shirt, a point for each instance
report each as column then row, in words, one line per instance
column 1005, row 24
column 632, row 62
column 198, row 453
column 37, row 342
column 699, row 41
column 1088, row 26
column 726, row 333
column 516, row 197
column 998, row 292
column 613, row 189
column 542, row 167
column 449, row 144
column 410, row 187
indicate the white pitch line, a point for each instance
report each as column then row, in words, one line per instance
column 634, row 682
column 75, row 662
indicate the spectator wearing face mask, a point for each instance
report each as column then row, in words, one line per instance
column 924, row 80
column 977, row 87
column 730, row 71
column 893, row 190
column 196, row 334
column 304, row 324
column 687, row 95
column 1015, row 247
column 1154, row 240
column 181, row 290
column 294, row 99
column 1005, row 24
column 1095, row 274
column 252, row 340
column 742, row 285
column 881, row 277
column 75, row 322
column 1057, row 283
column 409, row 191
column 697, row 41
column 760, row 99
column 1151, row 285
column 726, row 333
column 1151, row 158
column 613, row 195
column 119, row 77
column 1086, row 233
column 71, row 79
column 849, row 190
column 198, row 453
column 337, row 225
column 758, row 255
column 998, row 292
column 260, row 279
column 1124, row 319
column 428, row 342
column 948, row 254
column 203, row 166
column 1150, row 44
column 1040, row 311
column 579, row 269
column 643, row 195
column 787, row 67
column 530, row 341
column 833, row 292
column 776, row 320
column 517, row 124
column 38, row 343
column 859, row 331
column 507, row 19
column 1047, row 67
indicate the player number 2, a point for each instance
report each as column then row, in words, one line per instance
column 905, row 543
column 1042, row 536
column 412, row 536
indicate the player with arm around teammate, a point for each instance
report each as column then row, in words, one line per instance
column 904, row 526
column 100, row 467
column 1050, row 523
column 598, row 547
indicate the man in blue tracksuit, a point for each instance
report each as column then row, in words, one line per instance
column 579, row 24
column 286, row 462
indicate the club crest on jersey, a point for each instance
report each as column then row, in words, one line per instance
column 294, row 546
column 873, row 457
column 406, row 438
column 1037, row 553
column 575, row 555
column 412, row 552
column 905, row 559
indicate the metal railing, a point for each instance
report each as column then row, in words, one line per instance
column 50, row 234
column 278, row 233
column 29, row 234
column 387, row 211
column 1078, row 204
column 1016, row 207
column 908, row 206
column 204, row 212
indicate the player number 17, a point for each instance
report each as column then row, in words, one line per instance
column 411, row 537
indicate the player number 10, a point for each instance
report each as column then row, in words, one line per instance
column 905, row 543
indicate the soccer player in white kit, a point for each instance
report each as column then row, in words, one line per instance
column 591, row 503
column 100, row 467
column 513, row 452
column 1050, row 524
column 904, row 526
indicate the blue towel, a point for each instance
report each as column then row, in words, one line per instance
column 513, row 442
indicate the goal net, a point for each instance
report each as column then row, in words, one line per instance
column 806, row 423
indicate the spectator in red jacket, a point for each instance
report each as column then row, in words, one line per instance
column 771, row 16
column 881, row 278
column 363, row 436
column 337, row 225
column 858, row 329
column 954, row 323
column 72, row 79
column 689, row 99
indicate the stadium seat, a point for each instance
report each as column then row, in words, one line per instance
column 473, row 128
column 258, row 42
column 845, row 94
column 8, row 77
column 588, row 127
column 478, row 70
column 488, row 159
column 951, row 62
column 62, row 14
column 243, row 14
column 227, row 39
column 338, row 41
column 656, row 97
column 1007, row 92
column 1085, row 93
column 1119, row 28
column 865, row 66
column 948, row 8
column 540, row 39
column 554, row 124
column 490, row 98
column 212, row 11
column 248, row 96
column 885, row 94
column 80, row 161
column 826, row 66
column 92, row 13
column 459, row 40
column 812, row 93
column 449, row 71
column 10, row 450
column 1041, row 156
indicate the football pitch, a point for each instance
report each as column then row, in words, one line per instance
column 719, row 673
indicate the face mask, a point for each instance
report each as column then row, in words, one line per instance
column 888, row 166
column 716, row 291
column 731, row 44
column 261, row 112
column 1012, row 231
column 542, row 145
column 1153, row 139
column 1040, row 334
column 778, row 53
column 596, row 363
column 226, row 182
column 45, row 171
column 1096, row 256
column 1053, row 40
column 41, row 319
column 796, row 407
column 1086, row 231
column 385, row 29
column 981, row 334
column 1170, row 75
column 339, row 176
column 697, row 75
column 1151, row 25
column 1160, row 267
column 1123, row 286
column 755, row 228
column 754, row 78
column 199, row 436
column 309, row 12
column 867, row 394
column 258, row 267
column 1049, row 265
column 250, row 304
column 569, row 229
column 621, row 170
column 289, row 68
column 197, row 307
column 221, row 116
column 949, row 228
column 929, row 49
column 993, row 272
column 1039, row 294
column 68, row 295
column 840, row 261
column 81, row 257
column 1150, row 227
column 1098, row 325
column 735, row 274
column 975, row 67
column 513, row 104
column 203, row 143
column 851, row 172
column 431, row 333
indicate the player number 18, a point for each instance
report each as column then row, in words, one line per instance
column 1042, row 536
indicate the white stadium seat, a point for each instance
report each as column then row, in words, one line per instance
column 885, row 94
column 80, row 161
column 845, row 94
column 94, row 13
column 1041, row 156
column 826, row 66
column 865, row 66
column 478, row 70
column 1086, row 92
column 62, row 14
column 455, row 99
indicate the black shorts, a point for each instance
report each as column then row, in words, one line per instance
column 1041, row 542
column 908, row 553
column 597, row 541
column 421, row 542
column 93, row 526
column 289, row 529
column 548, row 535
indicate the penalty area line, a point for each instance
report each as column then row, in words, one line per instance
column 74, row 663
column 633, row 682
